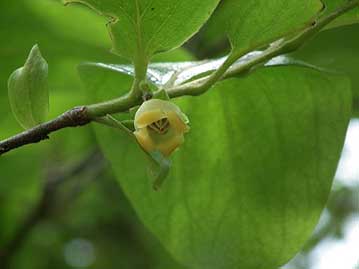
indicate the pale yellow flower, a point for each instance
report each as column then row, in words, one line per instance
column 160, row 125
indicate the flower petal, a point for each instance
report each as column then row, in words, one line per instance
column 167, row 147
column 158, row 107
column 144, row 139
column 177, row 122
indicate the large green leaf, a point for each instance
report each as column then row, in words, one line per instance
column 247, row 187
column 338, row 55
column 251, row 24
column 212, row 35
column 140, row 28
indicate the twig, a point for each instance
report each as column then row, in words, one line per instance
column 83, row 115
column 44, row 205
column 75, row 117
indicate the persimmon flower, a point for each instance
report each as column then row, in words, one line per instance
column 160, row 125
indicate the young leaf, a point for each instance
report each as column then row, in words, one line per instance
column 255, row 23
column 28, row 90
column 250, row 182
column 141, row 28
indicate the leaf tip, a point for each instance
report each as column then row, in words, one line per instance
column 35, row 51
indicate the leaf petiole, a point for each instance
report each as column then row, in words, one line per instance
column 110, row 121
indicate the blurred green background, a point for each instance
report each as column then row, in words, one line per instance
column 60, row 206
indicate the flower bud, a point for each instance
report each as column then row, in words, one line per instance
column 160, row 126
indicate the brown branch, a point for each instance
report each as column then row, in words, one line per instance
column 77, row 116
column 46, row 203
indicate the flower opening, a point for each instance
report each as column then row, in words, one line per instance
column 160, row 125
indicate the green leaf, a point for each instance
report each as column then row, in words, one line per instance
column 248, row 185
column 337, row 55
column 213, row 34
column 141, row 28
column 349, row 18
column 28, row 90
column 255, row 23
